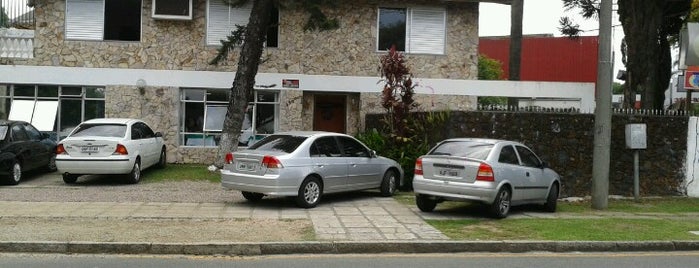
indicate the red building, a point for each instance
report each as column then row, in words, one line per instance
column 547, row 58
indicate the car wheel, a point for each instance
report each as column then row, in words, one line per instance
column 425, row 203
column 253, row 197
column 388, row 184
column 135, row 175
column 552, row 199
column 309, row 193
column 69, row 178
column 15, row 173
column 162, row 162
column 501, row 205
column 51, row 166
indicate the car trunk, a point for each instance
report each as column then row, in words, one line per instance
column 248, row 162
column 449, row 168
column 90, row 146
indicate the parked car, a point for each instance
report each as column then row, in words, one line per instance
column 110, row 146
column 24, row 148
column 497, row 173
column 307, row 165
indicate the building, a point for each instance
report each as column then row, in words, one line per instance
column 132, row 58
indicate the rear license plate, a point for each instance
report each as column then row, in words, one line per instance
column 89, row 149
column 246, row 166
column 448, row 172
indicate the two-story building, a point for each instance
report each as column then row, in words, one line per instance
column 149, row 59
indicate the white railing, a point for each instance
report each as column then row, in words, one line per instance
column 16, row 43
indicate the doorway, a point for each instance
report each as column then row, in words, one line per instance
column 330, row 113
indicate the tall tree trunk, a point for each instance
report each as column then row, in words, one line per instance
column 243, row 85
column 642, row 21
column 516, row 13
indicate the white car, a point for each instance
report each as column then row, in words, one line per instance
column 110, row 146
column 497, row 173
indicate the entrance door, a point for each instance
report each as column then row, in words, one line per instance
column 330, row 113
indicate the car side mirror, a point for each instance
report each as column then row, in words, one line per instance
column 372, row 154
column 158, row 134
column 544, row 164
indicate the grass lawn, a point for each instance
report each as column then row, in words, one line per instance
column 576, row 229
column 181, row 172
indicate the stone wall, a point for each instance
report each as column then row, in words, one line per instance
column 181, row 45
column 565, row 142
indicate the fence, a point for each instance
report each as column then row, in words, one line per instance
column 17, row 14
column 615, row 111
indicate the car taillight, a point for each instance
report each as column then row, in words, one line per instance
column 120, row 149
column 418, row 166
column 229, row 158
column 271, row 162
column 60, row 149
column 485, row 173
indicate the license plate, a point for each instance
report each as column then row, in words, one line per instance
column 89, row 149
column 448, row 172
column 247, row 166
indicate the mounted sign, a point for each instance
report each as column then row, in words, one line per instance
column 636, row 136
column 290, row 83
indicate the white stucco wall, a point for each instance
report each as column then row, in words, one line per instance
column 692, row 164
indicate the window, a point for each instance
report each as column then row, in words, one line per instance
column 33, row 133
column 117, row 20
column 18, row 133
column 413, row 30
column 352, row 148
column 204, row 110
column 529, row 159
column 51, row 108
column 172, row 9
column 508, row 156
column 325, row 147
column 222, row 19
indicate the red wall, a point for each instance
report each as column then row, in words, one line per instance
column 547, row 58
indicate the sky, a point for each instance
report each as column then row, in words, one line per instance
column 541, row 17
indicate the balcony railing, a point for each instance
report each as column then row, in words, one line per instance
column 17, row 14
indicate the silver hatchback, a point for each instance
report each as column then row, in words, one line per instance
column 307, row 165
column 498, row 173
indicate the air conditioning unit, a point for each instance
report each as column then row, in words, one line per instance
column 172, row 9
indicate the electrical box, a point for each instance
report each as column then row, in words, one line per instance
column 636, row 136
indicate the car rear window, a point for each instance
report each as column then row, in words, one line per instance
column 100, row 130
column 281, row 143
column 471, row 149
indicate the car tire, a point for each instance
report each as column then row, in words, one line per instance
column 389, row 183
column 425, row 203
column 252, row 197
column 135, row 175
column 310, row 192
column 501, row 206
column 15, row 173
column 51, row 166
column 552, row 199
column 69, row 178
column 162, row 162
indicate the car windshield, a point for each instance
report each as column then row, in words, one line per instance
column 281, row 143
column 471, row 149
column 3, row 132
column 100, row 130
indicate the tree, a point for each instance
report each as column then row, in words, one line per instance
column 649, row 26
column 490, row 69
column 251, row 39
column 4, row 19
column 516, row 14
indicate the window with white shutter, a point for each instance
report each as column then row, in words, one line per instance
column 118, row 20
column 222, row 19
column 84, row 19
column 420, row 30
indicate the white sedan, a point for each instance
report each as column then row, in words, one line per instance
column 110, row 146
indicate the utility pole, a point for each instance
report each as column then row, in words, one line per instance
column 516, row 14
column 603, row 108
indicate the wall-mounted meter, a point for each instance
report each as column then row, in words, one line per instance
column 636, row 136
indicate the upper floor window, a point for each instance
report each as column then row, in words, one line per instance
column 116, row 20
column 222, row 19
column 413, row 30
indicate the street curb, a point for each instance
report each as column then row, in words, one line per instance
column 340, row 247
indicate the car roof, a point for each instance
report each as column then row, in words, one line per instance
column 10, row 122
column 483, row 140
column 310, row 133
column 125, row 121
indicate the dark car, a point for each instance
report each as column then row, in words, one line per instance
column 24, row 148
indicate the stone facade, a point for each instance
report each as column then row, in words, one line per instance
column 181, row 45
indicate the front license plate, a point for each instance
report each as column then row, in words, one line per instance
column 89, row 149
column 247, row 166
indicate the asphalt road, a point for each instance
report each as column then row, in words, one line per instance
column 461, row 260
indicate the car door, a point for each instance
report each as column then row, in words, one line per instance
column 147, row 144
column 363, row 171
column 22, row 146
column 536, row 187
column 510, row 169
column 41, row 153
column 329, row 163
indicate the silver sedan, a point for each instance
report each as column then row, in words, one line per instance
column 498, row 173
column 307, row 165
